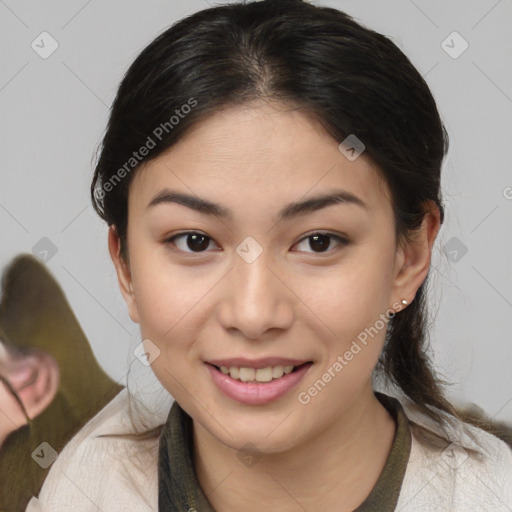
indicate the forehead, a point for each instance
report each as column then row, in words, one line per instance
column 266, row 153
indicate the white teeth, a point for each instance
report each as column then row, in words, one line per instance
column 264, row 374
column 247, row 374
column 277, row 372
column 256, row 375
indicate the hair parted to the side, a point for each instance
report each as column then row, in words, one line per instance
column 351, row 79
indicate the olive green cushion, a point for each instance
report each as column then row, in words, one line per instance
column 34, row 312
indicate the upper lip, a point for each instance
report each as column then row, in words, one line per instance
column 264, row 362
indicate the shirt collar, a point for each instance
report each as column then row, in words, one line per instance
column 179, row 489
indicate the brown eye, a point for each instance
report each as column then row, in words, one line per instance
column 320, row 242
column 194, row 242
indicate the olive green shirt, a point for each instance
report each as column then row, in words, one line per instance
column 179, row 489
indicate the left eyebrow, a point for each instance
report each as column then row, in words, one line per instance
column 289, row 211
column 319, row 202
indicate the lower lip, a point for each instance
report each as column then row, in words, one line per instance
column 255, row 393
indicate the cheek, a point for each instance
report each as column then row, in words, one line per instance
column 162, row 291
column 353, row 305
column 163, row 302
column 354, row 293
column 165, row 306
column 171, row 302
column 353, row 308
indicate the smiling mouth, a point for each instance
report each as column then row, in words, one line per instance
column 259, row 375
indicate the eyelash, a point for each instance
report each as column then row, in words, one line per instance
column 342, row 241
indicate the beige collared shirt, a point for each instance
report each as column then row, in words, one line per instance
column 111, row 474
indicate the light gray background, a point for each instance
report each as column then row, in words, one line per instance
column 53, row 113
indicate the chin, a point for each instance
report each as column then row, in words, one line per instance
column 271, row 433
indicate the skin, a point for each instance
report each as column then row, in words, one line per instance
column 292, row 301
column 35, row 379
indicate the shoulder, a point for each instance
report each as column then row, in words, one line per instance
column 98, row 472
column 468, row 469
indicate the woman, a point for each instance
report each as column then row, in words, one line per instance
column 271, row 178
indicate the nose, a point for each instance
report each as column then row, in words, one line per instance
column 257, row 299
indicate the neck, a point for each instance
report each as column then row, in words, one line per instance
column 335, row 470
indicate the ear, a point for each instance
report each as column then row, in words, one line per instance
column 414, row 256
column 123, row 273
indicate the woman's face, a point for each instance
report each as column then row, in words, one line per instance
column 257, row 286
column 34, row 376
